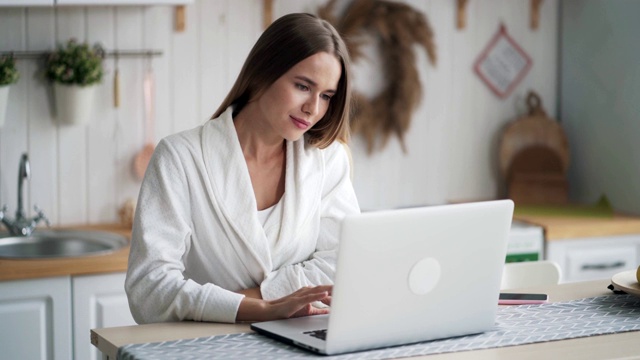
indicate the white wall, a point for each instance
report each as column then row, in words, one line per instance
column 601, row 100
column 83, row 174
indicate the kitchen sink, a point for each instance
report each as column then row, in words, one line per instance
column 60, row 244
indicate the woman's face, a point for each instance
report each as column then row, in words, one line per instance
column 300, row 98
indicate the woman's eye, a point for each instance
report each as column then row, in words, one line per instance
column 326, row 97
column 302, row 87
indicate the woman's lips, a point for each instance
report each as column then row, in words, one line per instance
column 299, row 123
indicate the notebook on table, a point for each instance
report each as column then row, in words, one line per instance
column 406, row 276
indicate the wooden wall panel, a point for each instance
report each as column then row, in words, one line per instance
column 14, row 137
column 546, row 57
column 438, row 90
column 185, row 73
column 101, row 131
column 83, row 174
column 465, row 46
column 214, row 42
column 159, row 38
column 481, row 124
column 244, row 22
column 43, row 134
column 72, row 140
column 130, row 116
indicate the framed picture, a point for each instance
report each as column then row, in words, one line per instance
column 502, row 64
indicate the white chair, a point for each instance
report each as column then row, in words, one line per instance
column 530, row 273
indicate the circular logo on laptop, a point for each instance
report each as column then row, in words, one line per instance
column 424, row 276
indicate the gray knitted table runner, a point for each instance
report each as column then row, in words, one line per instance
column 515, row 325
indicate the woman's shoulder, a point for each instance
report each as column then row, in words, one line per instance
column 337, row 150
column 336, row 155
column 337, row 147
column 183, row 141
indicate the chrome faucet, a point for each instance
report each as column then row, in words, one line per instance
column 21, row 225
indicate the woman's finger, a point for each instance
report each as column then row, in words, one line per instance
column 309, row 298
column 327, row 288
column 300, row 302
column 305, row 292
column 326, row 300
column 314, row 289
column 300, row 306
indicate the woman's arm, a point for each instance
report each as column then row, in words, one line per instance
column 156, row 286
column 252, row 293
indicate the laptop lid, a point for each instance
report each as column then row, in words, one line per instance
column 412, row 275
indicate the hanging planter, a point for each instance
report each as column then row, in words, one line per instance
column 8, row 75
column 73, row 103
column 75, row 69
column 4, row 99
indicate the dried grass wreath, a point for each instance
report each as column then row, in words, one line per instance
column 397, row 27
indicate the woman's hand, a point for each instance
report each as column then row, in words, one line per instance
column 296, row 304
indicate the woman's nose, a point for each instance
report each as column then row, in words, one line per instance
column 310, row 107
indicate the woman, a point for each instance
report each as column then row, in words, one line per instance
column 238, row 219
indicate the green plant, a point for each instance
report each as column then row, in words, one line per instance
column 8, row 71
column 75, row 63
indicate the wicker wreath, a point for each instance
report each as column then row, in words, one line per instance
column 396, row 27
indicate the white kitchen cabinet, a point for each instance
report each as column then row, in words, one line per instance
column 35, row 319
column 98, row 301
column 51, row 318
column 594, row 257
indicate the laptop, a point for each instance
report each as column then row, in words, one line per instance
column 406, row 276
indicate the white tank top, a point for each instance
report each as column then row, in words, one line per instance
column 271, row 220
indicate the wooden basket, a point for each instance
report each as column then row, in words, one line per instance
column 534, row 157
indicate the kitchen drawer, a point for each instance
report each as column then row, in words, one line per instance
column 596, row 263
column 595, row 258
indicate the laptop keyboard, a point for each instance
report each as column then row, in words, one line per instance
column 320, row 334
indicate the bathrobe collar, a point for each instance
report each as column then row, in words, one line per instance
column 233, row 197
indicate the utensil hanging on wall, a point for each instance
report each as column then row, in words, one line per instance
column 141, row 160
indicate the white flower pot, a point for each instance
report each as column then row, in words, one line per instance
column 73, row 103
column 4, row 100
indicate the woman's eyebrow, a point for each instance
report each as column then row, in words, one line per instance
column 306, row 79
column 311, row 82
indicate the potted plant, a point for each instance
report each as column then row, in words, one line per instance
column 74, row 68
column 8, row 75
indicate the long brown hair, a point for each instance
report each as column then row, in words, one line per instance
column 287, row 41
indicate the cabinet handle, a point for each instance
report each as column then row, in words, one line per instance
column 615, row 265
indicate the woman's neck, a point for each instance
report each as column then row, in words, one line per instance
column 257, row 141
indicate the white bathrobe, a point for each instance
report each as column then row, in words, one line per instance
column 197, row 237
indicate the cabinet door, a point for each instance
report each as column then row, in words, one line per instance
column 595, row 258
column 98, row 301
column 35, row 319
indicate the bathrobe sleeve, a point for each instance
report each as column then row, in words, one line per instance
column 338, row 199
column 155, row 285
